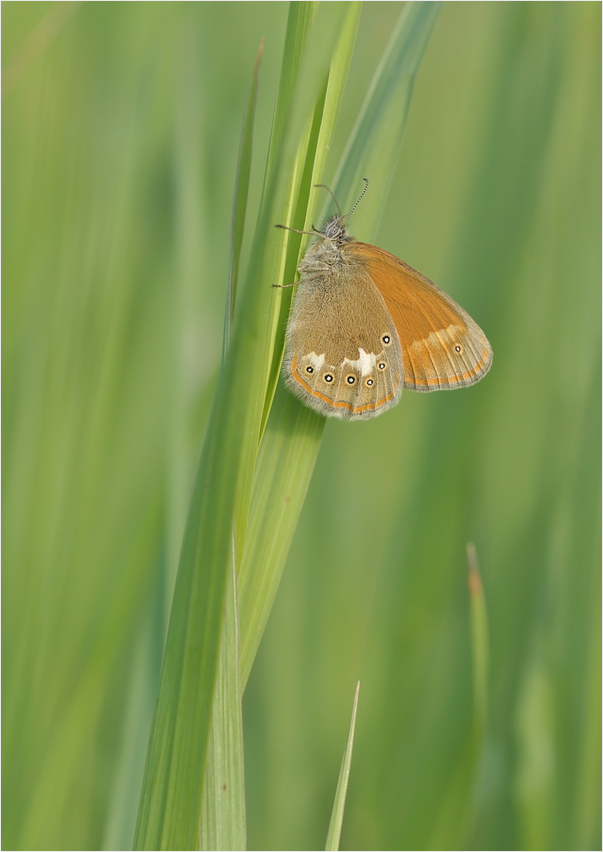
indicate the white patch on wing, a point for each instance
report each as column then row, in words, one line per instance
column 434, row 338
column 315, row 360
column 365, row 365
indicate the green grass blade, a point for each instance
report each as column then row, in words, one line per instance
column 241, row 195
column 222, row 819
column 456, row 812
column 120, row 821
column 383, row 115
column 223, row 823
column 171, row 798
column 334, row 833
column 479, row 643
column 285, row 464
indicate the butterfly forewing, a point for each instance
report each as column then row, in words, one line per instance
column 442, row 347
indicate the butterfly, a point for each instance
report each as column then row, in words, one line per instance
column 365, row 325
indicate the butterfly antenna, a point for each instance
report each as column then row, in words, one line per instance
column 324, row 186
column 348, row 217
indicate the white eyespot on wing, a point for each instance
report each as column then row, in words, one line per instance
column 365, row 364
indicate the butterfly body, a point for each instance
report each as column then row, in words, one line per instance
column 364, row 325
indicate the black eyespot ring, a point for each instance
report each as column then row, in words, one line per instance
column 350, row 380
column 386, row 339
column 370, row 383
column 457, row 348
column 328, row 377
column 309, row 369
column 382, row 365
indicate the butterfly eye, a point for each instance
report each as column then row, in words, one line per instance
column 309, row 369
column 386, row 340
column 351, row 380
column 370, row 383
column 382, row 365
column 328, row 377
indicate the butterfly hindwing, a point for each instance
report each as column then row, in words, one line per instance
column 343, row 356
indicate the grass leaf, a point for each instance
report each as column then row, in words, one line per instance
column 334, row 834
column 171, row 797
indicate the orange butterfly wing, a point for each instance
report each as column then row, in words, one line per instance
column 442, row 347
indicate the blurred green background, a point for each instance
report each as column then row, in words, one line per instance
column 120, row 134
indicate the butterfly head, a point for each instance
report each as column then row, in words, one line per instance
column 334, row 230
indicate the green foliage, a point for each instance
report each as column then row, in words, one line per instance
column 122, row 124
column 334, row 834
